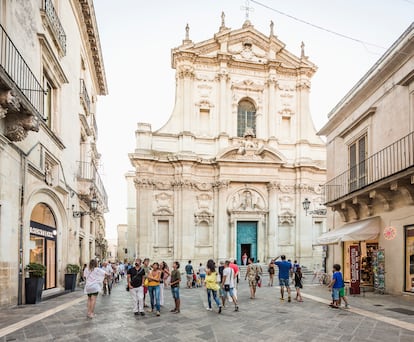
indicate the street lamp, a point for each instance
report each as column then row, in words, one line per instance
column 93, row 204
column 306, row 205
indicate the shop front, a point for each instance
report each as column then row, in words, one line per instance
column 363, row 265
column 409, row 258
column 43, row 242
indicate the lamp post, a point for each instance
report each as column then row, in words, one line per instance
column 306, row 205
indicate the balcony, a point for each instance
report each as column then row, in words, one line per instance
column 84, row 96
column 51, row 19
column 21, row 95
column 381, row 171
column 90, row 181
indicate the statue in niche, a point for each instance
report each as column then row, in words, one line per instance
column 247, row 143
column 48, row 174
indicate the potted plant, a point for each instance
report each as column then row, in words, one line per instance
column 34, row 284
column 72, row 271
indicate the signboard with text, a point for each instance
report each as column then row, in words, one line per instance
column 354, row 259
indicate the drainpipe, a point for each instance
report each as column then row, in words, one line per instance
column 21, row 216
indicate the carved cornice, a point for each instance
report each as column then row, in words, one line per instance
column 204, row 216
column 90, row 27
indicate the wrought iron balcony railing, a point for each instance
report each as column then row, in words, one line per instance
column 392, row 159
column 94, row 125
column 85, row 97
column 55, row 25
column 14, row 65
column 88, row 171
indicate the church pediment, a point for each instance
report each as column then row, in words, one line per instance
column 242, row 45
column 249, row 151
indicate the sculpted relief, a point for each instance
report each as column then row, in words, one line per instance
column 246, row 200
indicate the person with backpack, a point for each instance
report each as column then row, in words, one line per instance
column 189, row 271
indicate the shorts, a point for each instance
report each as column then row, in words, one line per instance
column 175, row 291
column 284, row 282
column 335, row 293
column 342, row 292
column 189, row 277
column 202, row 276
column 93, row 294
column 223, row 293
column 231, row 292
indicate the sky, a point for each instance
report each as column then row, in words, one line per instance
column 137, row 37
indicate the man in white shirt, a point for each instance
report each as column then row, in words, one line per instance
column 228, row 283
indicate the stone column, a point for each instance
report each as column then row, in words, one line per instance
column 222, row 220
column 222, row 110
column 271, row 115
column 272, row 188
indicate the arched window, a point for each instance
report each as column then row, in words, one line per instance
column 246, row 117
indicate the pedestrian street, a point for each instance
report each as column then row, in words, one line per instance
column 265, row 318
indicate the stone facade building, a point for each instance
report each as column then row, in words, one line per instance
column 52, row 199
column 227, row 174
column 370, row 155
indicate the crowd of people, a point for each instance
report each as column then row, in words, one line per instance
column 145, row 280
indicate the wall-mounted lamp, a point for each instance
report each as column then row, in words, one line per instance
column 306, row 204
column 93, row 205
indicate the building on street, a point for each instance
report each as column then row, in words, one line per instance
column 370, row 168
column 52, row 199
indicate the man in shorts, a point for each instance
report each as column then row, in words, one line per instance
column 175, row 286
column 284, row 272
column 228, row 283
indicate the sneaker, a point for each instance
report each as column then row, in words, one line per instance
column 158, row 313
column 136, row 313
column 281, row 298
column 209, row 309
column 173, row 310
column 177, row 311
column 236, row 308
column 142, row 313
column 289, row 300
column 346, row 306
column 150, row 310
column 219, row 310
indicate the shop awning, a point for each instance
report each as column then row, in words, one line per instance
column 356, row 231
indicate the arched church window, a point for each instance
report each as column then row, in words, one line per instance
column 246, row 117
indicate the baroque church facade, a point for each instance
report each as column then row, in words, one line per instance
column 227, row 174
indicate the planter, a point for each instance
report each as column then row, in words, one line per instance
column 70, row 281
column 34, row 288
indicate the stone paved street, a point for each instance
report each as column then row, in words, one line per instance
column 263, row 319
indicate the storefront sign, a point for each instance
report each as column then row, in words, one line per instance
column 354, row 258
column 42, row 232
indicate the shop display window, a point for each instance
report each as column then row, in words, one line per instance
column 409, row 258
column 37, row 249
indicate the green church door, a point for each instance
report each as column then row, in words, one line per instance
column 246, row 240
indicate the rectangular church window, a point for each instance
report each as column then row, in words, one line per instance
column 163, row 233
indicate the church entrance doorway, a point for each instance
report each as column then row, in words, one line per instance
column 246, row 240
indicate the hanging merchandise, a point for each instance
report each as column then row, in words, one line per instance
column 378, row 264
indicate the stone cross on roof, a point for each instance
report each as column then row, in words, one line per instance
column 247, row 8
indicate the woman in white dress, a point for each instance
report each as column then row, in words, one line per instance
column 94, row 277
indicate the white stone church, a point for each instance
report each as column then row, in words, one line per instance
column 227, row 174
